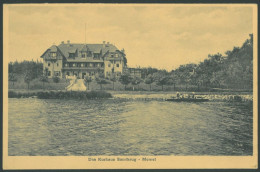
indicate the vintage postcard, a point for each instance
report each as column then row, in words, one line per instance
column 130, row 86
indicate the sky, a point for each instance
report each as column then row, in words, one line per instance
column 161, row 36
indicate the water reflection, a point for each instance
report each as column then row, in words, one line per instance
column 125, row 127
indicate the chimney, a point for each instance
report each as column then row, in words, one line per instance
column 104, row 43
column 62, row 42
column 68, row 42
column 107, row 43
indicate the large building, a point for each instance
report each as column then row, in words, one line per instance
column 82, row 60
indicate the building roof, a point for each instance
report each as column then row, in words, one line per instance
column 95, row 48
column 53, row 48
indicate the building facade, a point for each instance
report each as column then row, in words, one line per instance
column 134, row 72
column 82, row 60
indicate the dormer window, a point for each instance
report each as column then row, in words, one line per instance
column 83, row 55
column 71, row 55
column 96, row 56
column 89, row 54
column 116, row 55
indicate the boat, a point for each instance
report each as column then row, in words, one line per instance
column 183, row 99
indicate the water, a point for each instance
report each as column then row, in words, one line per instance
column 128, row 127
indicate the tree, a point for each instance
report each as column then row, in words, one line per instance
column 56, row 79
column 173, row 80
column 101, row 80
column 87, row 80
column 43, row 79
column 196, row 80
column 162, row 81
column 170, row 82
column 12, row 78
column 161, row 78
column 149, row 80
column 125, row 79
column 248, row 75
column 136, row 81
column 10, row 68
column 28, row 78
column 113, row 79
column 45, row 71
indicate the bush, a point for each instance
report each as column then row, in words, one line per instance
column 12, row 94
column 238, row 98
column 56, row 79
column 73, row 95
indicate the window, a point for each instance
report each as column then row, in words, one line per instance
column 112, row 55
column 49, row 64
column 96, row 56
column 57, row 64
column 116, row 55
column 109, row 65
column 90, row 64
column 83, row 55
column 74, row 64
column 71, row 55
column 89, row 54
column 53, row 55
column 82, row 64
column 117, row 65
column 66, row 65
column 68, row 73
column 49, row 73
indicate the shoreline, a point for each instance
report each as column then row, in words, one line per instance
column 133, row 95
column 242, row 92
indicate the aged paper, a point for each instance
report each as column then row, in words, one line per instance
column 131, row 160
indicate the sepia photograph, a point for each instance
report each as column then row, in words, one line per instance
column 121, row 86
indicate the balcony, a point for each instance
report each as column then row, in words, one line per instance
column 85, row 60
column 83, row 68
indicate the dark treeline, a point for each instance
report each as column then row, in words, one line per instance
column 234, row 70
column 35, row 68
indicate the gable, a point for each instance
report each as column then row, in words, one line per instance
column 48, row 55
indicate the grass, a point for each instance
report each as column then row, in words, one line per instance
column 37, row 85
